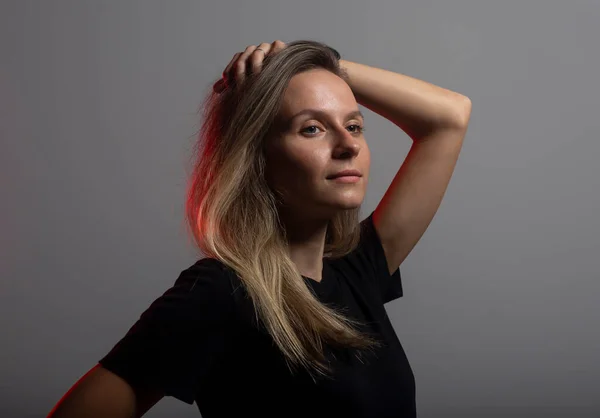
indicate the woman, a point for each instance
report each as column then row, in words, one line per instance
column 285, row 315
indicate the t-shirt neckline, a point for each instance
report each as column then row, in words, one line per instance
column 323, row 287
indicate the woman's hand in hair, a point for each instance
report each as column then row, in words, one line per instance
column 246, row 62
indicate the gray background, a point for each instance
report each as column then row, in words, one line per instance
column 98, row 112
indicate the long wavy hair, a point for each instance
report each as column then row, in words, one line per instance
column 233, row 213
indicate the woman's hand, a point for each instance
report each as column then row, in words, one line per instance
column 244, row 62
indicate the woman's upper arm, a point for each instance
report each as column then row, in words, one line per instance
column 101, row 393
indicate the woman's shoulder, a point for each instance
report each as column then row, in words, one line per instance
column 179, row 334
column 203, row 292
column 207, row 278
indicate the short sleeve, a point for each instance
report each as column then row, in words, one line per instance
column 175, row 341
column 370, row 251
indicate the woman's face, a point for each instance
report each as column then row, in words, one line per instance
column 307, row 148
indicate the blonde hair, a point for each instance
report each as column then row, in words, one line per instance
column 233, row 217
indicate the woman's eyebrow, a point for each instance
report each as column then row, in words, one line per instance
column 322, row 113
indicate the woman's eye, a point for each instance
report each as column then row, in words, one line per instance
column 357, row 129
column 309, row 127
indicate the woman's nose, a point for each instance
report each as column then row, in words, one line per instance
column 347, row 143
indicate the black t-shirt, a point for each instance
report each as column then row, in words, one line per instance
column 199, row 342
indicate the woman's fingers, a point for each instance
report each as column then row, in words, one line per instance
column 227, row 71
column 277, row 46
column 242, row 63
column 219, row 86
column 240, row 66
column 258, row 55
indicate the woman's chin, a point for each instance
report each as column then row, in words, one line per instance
column 346, row 204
